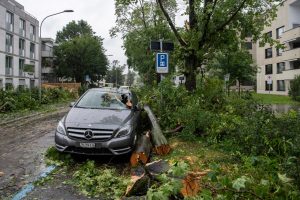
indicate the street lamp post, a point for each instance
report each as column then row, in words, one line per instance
column 40, row 51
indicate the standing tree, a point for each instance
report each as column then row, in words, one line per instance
column 235, row 61
column 139, row 22
column 130, row 78
column 80, row 53
column 115, row 74
column 214, row 24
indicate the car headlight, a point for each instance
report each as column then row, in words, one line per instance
column 61, row 128
column 124, row 131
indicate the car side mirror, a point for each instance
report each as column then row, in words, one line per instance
column 72, row 104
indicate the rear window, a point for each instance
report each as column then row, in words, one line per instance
column 97, row 99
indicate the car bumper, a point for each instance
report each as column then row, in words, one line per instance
column 114, row 146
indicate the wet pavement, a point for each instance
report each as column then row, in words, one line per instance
column 22, row 148
column 21, row 151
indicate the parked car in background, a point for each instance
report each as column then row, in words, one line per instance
column 124, row 89
column 99, row 123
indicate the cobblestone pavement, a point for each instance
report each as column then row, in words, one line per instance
column 21, row 150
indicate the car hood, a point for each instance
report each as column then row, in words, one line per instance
column 97, row 118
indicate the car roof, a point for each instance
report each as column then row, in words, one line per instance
column 112, row 90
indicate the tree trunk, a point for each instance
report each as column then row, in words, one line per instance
column 239, row 87
column 190, row 65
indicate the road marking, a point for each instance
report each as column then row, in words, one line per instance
column 29, row 187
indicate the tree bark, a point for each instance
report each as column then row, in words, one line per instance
column 191, row 66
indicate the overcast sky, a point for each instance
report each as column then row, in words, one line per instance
column 98, row 13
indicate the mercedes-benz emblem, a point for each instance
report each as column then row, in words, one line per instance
column 88, row 134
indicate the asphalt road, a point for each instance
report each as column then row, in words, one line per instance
column 22, row 146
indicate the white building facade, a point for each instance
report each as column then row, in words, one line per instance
column 279, row 66
column 19, row 45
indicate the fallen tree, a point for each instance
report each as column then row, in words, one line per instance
column 160, row 143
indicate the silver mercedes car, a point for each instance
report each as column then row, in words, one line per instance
column 99, row 123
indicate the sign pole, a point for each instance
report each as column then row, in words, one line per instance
column 161, row 75
column 161, row 50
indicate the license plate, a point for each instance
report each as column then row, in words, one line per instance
column 87, row 145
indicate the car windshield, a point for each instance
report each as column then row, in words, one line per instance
column 99, row 99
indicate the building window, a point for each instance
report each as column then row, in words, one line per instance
column 248, row 45
column 22, row 27
column 268, row 53
column 21, row 67
column 295, row 45
column 32, row 32
column 279, row 51
column 280, row 67
column 9, row 84
column 279, row 32
column 269, row 87
column 32, row 51
column 9, row 43
column 9, row 21
column 22, row 84
column 22, row 47
column 295, row 65
column 280, row 85
column 8, row 66
column 269, row 69
column 269, row 34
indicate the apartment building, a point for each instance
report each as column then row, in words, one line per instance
column 277, row 67
column 48, row 75
column 19, row 44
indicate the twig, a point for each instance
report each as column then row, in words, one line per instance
column 231, row 190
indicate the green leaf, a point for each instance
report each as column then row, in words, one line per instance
column 239, row 183
column 284, row 178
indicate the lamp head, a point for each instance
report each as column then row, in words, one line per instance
column 68, row 11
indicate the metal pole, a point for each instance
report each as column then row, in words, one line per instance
column 40, row 52
column 116, row 77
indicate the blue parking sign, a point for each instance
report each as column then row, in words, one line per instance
column 162, row 63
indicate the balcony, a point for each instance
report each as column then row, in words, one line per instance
column 29, row 74
column 290, row 35
column 8, row 71
column 290, row 55
column 290, row 74
column 47, row 54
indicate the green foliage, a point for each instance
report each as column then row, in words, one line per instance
column 235, row 61
column 130, row 77
column 169, row 183
column 294, row 90
column 115, row 74
column 94, row 181
column 240, row 126
column 74, row 29
column 139, row 22
column 54, row 157
column 27, row 99
column 28, row 68
column 80, row 52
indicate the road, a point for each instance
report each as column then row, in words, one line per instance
column 21, row 151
